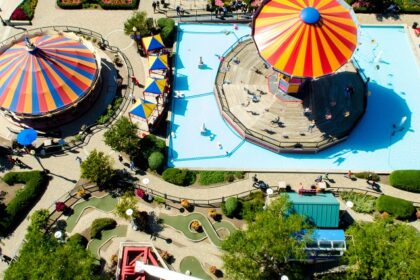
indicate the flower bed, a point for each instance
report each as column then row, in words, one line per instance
column 25, row 11
column 104, row 4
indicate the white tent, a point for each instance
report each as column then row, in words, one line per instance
column 8, row 7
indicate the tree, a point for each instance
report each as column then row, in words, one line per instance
column 264, row 250
column 127, row 201
column 383, row 250
column 122, row 136
column 97, row 168
column 137, row 20
column 156, row 161
column 43, row 257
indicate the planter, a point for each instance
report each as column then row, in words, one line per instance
column 196, row 226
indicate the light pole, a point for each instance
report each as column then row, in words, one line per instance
column 136, row 37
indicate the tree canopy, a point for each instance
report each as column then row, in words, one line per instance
column 382, row 250
column 43, row 257
column 138, row 20
column 122, row 136
column 97, row 167
column 264, row 250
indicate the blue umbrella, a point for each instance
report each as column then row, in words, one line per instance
column 26, row 136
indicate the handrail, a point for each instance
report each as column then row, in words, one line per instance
column 200, row 202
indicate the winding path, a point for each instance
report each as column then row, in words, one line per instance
column 182, row 223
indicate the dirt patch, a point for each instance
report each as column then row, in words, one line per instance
column 8, row 192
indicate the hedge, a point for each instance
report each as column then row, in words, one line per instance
column 180, row 177
column 19, row 206
column 69, row 6
column 251, row 205
column 397, row 207
column 79, row 239
column 364, row 175
column 231, row 206
column 99, row 225
column 104, row 6
column 214, row 177
column 408, row 180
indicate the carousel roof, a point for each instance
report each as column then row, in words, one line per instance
column 45, row 74
column 305, row 38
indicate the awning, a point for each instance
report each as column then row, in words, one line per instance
column 143, row 108
column 158, row 62
column 153, row 42
column 305, row 38
column 155, row 86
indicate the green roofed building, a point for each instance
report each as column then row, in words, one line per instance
column 322, row 209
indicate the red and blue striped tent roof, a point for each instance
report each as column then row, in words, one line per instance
column 49, row 78
column 305, row 38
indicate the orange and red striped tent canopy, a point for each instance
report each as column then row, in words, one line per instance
column 305, row 38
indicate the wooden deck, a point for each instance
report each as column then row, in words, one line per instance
column 281, row 125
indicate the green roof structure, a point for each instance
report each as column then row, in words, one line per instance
column 322, row 209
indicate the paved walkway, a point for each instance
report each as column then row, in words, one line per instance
column 66, row 168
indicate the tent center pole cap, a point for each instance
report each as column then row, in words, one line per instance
column 310, row 15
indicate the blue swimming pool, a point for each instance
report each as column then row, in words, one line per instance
column 373, row 145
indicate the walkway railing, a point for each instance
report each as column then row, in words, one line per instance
column 86, row 133
column 199, row 15
column 201, row 202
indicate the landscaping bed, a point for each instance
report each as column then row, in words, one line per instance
column 362, row 203
column 104, row 4
column 25, row 11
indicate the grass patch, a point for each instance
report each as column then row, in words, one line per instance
column 106, row 203
column 112, row 108
column 95, row 244
column 362, row 203
column 194, row 266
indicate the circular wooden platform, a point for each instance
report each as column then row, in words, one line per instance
column 261, row 114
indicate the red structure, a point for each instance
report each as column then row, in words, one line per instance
column 130, row 253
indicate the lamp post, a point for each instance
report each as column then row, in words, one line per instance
column 136, row 37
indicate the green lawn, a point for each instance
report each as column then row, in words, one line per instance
column 106, row 204
column 182, row 223
column 194, row 266
column 96, row 244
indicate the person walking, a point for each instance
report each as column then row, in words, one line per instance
column 154, row 6
column 349, row 174
column 132, row 167
column 79, row 159
column 157, row 5
column 369, row 180
column 120, row 158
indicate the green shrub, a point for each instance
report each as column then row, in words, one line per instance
column 211, row 177
column 156, row 161
column 159, row 199
column 180, row 177
column 101, row 224
column 78, row 239
column 397, row 207
column 112, row 108
column 215, row 177
column 408, row 180
column 364, row 175
column 24, row 199
column 362, row 203
column 231, row 206
column 167, row 31
column 251, row 205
